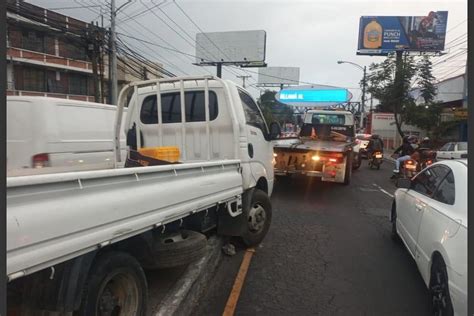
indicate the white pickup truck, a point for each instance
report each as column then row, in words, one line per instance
column 79, row 241
column 325, row 148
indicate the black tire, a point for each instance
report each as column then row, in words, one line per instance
column 348, row 173
column 178, row 249
column 359, row 162
column 259, row 218
column 116, row 283
column 441, row 304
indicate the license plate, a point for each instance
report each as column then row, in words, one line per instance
column 410, row 167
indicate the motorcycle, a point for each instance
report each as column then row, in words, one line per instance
column 427, row 158
column 376, row 160
column 408, row 169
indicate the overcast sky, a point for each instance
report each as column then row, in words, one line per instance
column 312, row 35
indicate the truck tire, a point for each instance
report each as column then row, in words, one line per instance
column 178, row 249
column 116, row 285
column 348, row 173
column 259, row 218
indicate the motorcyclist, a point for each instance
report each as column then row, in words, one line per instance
column 406, row 150
column 375, row 144
column 426, row 143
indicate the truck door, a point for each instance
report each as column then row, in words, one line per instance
column 260, row 150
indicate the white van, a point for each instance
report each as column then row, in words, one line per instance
column 49, row 135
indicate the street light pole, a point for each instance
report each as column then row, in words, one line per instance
column 364, row 84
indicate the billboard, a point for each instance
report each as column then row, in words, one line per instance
column 236, row 47
column 380, row 35
column 313, row 96
column 276, row 76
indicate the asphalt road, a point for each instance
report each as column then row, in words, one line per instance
column 328, row 252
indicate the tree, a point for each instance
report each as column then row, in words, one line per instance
column 390, row 82
column 426, row 80
column 273, row 110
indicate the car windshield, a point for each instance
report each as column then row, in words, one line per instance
column 462, row 146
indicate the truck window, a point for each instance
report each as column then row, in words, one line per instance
column 252, row 112
column 328, row 119
column 171, row 107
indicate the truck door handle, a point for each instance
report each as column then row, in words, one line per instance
column 250, row 149
column 419, row 207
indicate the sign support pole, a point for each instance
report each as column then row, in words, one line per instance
column 219, row 70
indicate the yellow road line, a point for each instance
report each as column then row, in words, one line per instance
column 238, row 283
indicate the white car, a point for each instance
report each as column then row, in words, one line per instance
column 362, row 141
column 452, row 151
column 429, row 214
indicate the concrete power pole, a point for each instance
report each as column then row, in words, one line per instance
column 113, row 55
column 243, row 79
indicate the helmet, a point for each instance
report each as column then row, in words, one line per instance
column 426, row 138
column 406, row 139
column 412, row 139
column 374, row 136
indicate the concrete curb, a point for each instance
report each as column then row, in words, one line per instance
column 184, row 295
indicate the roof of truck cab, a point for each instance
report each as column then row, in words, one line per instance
column 329, row 111
column 191, row 84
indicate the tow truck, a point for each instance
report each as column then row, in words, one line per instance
column 324, row 148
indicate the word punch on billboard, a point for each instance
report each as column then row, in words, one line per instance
column 246, row 48
column 277, row 76
column 381, row 35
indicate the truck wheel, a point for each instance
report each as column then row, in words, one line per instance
column 348, row 173
column 259, row 218
column 116, row 285
column 178, row 249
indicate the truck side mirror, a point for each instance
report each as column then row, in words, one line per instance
column 275, row 130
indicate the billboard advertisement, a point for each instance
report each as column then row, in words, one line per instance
column 380, row 35
column 313, row 96
column 245, row 47
column 276, row 76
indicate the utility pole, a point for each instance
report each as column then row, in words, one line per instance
column 113, row 55
column 364, row 84
column 243, row 79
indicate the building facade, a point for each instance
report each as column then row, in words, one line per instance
column 53, row 55
column 47, row 54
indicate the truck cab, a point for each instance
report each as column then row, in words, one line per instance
column 207, row 119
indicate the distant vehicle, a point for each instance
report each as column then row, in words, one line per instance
column 362, row 140
column 429, row 214
column 325, row 148
column 454, row 150
column 50, row 135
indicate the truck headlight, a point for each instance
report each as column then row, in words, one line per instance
column 316, row 158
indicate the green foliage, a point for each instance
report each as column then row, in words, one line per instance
column 274, row 110
column 391, row 83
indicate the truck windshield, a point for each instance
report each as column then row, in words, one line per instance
column 328, row 119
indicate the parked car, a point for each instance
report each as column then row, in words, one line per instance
column 454, row 150
column 429, row 214
column 362, row 141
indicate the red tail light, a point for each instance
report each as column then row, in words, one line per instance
column 409, row 162
column 40, row 161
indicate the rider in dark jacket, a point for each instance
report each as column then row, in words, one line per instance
column 375, row 144
column 405, row 150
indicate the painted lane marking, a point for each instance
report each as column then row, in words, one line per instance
column 382, row 190
column 238, row 283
